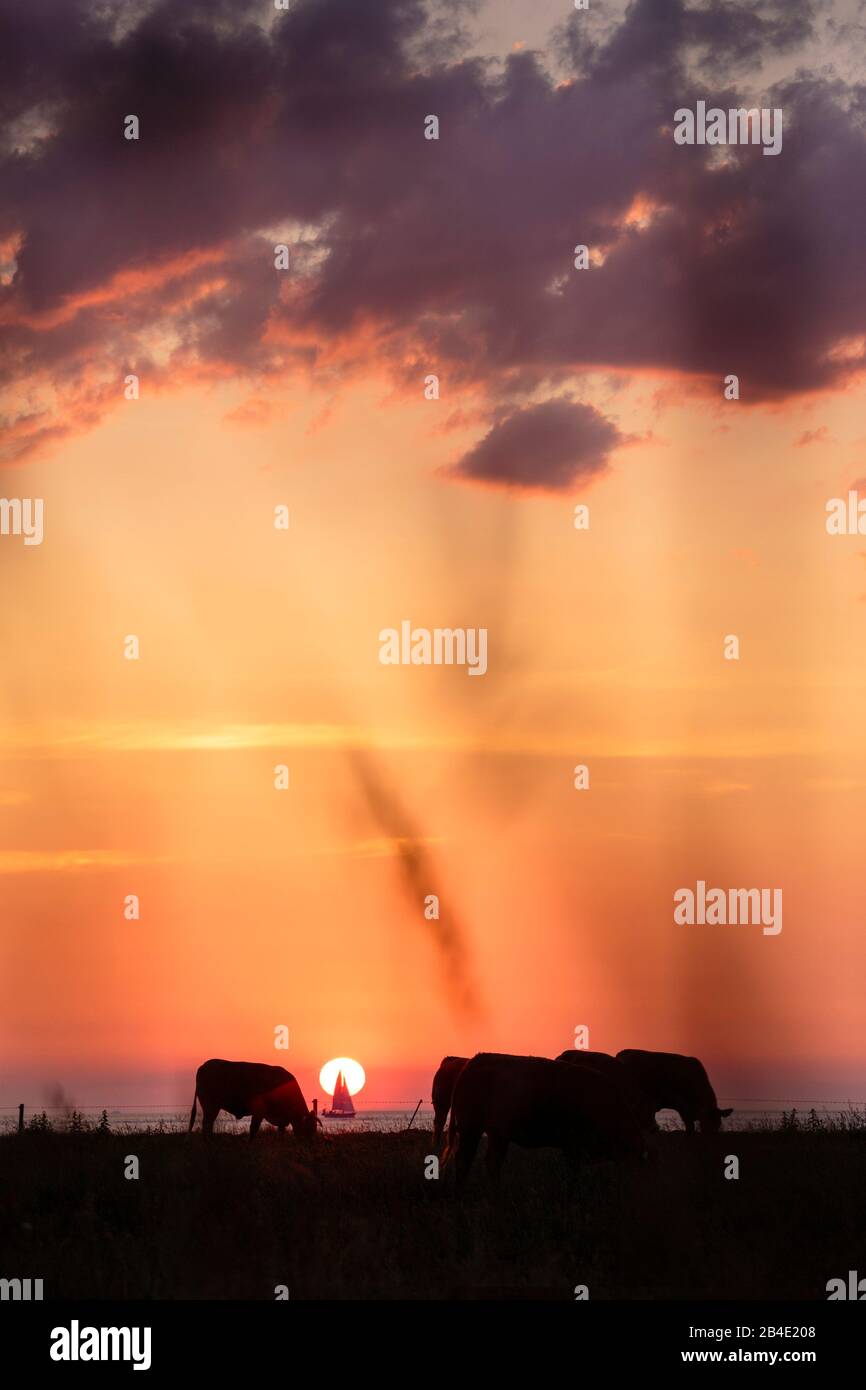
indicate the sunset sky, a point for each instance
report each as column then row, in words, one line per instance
column 305, row 388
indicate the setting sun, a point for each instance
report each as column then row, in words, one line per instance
column 353, row 1075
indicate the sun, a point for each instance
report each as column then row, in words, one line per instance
column 353, row 1075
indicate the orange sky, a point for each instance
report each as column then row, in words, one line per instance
column 259, row 647
column 261, row 907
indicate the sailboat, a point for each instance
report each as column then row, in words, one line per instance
column 341, row 1105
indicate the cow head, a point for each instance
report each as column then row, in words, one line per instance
column 308, row 1127
column 711, row 1122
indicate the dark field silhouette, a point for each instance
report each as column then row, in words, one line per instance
column 352, row 1216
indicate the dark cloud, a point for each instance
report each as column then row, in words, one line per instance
column 740, row 35
column 547, row 446
column 457, row 254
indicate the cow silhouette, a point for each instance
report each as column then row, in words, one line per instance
column 251, row 1088
column 537, row 1103
column 443, row 1088
column 621, row 1076
column 672, row 1082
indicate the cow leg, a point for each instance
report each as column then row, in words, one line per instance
column 466, row 1149
column 497, row 1148
column 281, row 1131
column 207, row 1120
column 255, row 1125
column 439, row 1118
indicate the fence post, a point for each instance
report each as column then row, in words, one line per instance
column 21, row 1119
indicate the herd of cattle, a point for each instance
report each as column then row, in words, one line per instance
column 584, row 1102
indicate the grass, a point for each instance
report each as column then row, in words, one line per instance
column 352, row 1216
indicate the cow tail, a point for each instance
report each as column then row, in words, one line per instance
column 452, row 1143
column 192, row 1112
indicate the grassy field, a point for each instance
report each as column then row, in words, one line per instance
column 352, row 1216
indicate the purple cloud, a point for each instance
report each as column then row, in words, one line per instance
column 547, row 446
column 453, row 254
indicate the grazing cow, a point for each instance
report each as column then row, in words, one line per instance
column 609, row 1066
column 672, row 1082
column 251, row 1088
column 537, row 1103
column 443, row 1089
